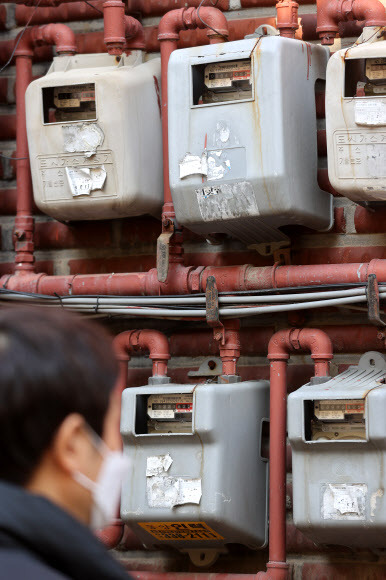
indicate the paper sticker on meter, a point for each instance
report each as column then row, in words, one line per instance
column 376, row 69
column 227, row 74
column 170, row 407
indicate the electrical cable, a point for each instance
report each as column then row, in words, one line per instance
column 20, row 37
column 92, row 6
column 205, row 23
column 12, row 158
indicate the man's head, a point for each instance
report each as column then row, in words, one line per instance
column 57, row 379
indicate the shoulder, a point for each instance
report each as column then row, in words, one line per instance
column 20, row 565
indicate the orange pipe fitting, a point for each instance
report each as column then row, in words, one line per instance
column 287, row 18
column 229, row 346
column 134, row 34
column 279, row 347
column 329, row 14
column 152, row 340
column 114, row 26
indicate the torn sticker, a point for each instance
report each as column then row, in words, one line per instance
column 167, row 492
column 370, row 112
column 85, row 138
column 158, row 464
column 218, row 165
column 341, row 501
column 84, row 180
column 227, row 201
column 373, row 500
column 193, row 164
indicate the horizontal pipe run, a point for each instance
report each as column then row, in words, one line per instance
column 186, row 280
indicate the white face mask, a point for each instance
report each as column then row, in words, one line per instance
column 106, row 490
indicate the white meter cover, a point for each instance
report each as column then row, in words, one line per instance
column 235, row 112
column 94, row 136
column 337, row 433
column 197, row 478
column 356, row 122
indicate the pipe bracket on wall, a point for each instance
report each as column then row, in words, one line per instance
column 373, row 302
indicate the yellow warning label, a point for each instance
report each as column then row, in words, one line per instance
column 181, row 531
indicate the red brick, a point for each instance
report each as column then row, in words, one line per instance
column 113, row 264
column 140, row 230
column 351, row 571
column 7, row 127
column 339, row 221
column 55, row 235
column 342, row 255
column 3, row 87
column 47, row 267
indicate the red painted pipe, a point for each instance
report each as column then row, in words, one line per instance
column 185, row 280
column 64, row 39
column 287, row 18
column 329, row 14
column 279, row 347
column 114, row 26
column 169, row 29
column 64, row 13
column 229, row 340
column 189, row 576
column 152, row 340
column 134, row 34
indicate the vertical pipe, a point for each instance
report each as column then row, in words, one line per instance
column 24, row 221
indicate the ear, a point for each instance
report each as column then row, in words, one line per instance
column 71, row 447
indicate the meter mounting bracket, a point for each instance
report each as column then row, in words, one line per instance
column 163, row 246
column 373, row 308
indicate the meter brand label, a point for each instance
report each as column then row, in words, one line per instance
column 180, row 531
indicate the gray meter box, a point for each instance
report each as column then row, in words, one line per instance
column 197, row 478
column 337, row 431
column 243, row 138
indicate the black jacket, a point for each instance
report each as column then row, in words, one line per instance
column 40, row 541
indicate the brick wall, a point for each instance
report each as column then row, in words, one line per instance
column 129, row 245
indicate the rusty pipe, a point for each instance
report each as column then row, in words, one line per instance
column 287, row 18
column 189, row 279
column 169, row 29
column 114, row 26
column 330, row 14
column 134, row 34
column 152, row 340
column 64, row 39
column 229, row 345
column 279, row 347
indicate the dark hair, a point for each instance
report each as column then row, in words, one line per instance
column 52, row 363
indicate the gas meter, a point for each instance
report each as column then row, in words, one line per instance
column 197, row 479
column 242, row 138
column 337, row 432
column 356, row 122
column 94, row 136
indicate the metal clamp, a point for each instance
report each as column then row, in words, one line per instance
column 212, row 309
column 373, row 308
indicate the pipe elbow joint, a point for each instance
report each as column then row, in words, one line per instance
column 279, row 345
column 171, row 24
column 57, row 34
column 213, row 19
column 134, row 33
column 373, row 12
column 317, row 342
column 328, row 18
column 155, row 342
column 122, row 345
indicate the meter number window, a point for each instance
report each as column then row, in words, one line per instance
column 365, row 77
column 161, row 414
column 69, row 103
column 335, row 420
column 222, row 82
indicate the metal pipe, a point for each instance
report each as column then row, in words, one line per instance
column 279, row 347
column 64, row 39
column 229, row 343
column 187, row 279
column 330, row 14
column 152, row 340
column 169, row 30
column 287, row 18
